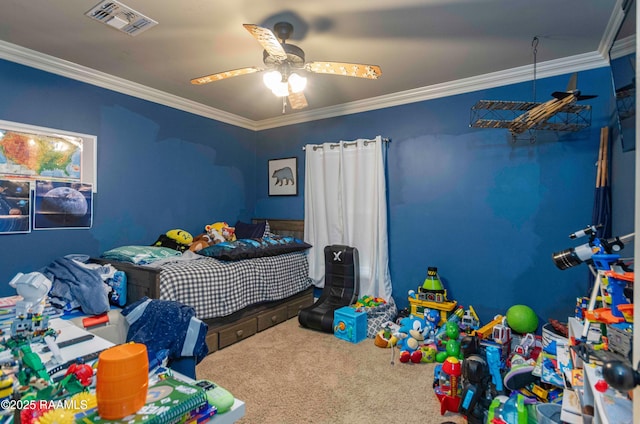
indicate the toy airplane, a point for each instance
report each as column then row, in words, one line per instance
column 536, row 116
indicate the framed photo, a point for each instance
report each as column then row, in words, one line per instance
column 283, row 177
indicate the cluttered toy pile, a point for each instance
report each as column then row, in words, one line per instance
column 506, row 371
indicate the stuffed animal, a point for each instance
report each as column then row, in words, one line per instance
column 385, row 338
column 200, row 242
column 410, row 337
column 218, row 232
column 175, row 239
column 221, row 231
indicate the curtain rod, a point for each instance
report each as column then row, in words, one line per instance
column 384, row 140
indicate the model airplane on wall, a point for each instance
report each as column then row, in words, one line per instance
column 561, row 113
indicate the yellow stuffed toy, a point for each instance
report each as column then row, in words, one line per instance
column 177, row 239
column 215, row 233
column 221, row 231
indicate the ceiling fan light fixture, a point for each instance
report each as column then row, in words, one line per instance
column 272, row 78
column 297, row 82
column 280, row 89
column 281, row 59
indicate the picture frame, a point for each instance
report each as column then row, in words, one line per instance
column 76, row 151
column 283, row 177
column 15, row 206
column 62, row 205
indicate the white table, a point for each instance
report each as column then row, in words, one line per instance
column 68, row 330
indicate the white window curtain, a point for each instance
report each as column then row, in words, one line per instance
column 345, row 202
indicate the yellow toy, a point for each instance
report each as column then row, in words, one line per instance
column 221, row 231
column 385, row 338
column 177, row 239
column 218, row 232
column 181, row 236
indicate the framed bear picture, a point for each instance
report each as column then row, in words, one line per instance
column 283, row 177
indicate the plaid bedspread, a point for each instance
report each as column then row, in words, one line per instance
column 217, row 288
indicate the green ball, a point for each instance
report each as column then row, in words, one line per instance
column 522, row 319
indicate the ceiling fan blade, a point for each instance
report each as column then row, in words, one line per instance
column 224, row 75
column 297, row 100
column 268, row 41
column 345, row 69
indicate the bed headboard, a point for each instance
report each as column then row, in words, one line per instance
column 284, row 227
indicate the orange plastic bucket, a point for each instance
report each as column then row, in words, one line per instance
column 122, row 380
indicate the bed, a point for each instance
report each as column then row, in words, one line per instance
column 235, row 298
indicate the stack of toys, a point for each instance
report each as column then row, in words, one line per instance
column 369, row 302
column 493, row 372
column 504, row 372
column 37, row 389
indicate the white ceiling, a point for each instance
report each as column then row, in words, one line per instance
column 424, row 47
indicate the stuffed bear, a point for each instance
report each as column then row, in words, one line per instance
column 200, row 242
column 221, row 231
column 218, row 232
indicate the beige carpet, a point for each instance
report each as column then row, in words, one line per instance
column 289, row 375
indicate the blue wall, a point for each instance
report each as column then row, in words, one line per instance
column 486, row 212
column 158, row 168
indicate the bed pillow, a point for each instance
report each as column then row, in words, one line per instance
column 249, row 231
column 139, row 255
column 254, row 248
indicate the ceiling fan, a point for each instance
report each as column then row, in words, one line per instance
column 283, row 61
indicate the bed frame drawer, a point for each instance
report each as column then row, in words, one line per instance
column 236, row 332
column 212, row 341
column 294, row 307
column 271, row 318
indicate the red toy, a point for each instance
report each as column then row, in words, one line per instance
column 83, row 372
column 448, row 389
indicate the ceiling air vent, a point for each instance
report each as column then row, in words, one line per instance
column 121, row 17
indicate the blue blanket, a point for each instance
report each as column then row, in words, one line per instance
column 72, row 281
column 166, row 324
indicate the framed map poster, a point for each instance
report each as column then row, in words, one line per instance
column 34, row 153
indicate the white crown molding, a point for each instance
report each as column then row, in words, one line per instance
column 613, row 26
column 551, row 68
column 623, row 47
column 34, row 59
column 21, row 55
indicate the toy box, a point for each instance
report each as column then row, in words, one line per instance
column 350, row 324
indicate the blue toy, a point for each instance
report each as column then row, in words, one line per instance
column 432, row 319
column 495, row 364
column 118, row 284
column 410, row 336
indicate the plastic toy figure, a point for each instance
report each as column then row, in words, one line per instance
column 448, row 390
column 470, row 320
column 31, row 367
column 525, row 347
column 502, row 333
column 33, row 287
column 495, row 364
column 475, row 380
